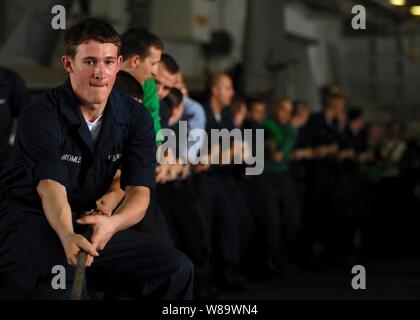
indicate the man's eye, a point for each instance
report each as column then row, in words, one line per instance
column 110, row 62
column 89, row 62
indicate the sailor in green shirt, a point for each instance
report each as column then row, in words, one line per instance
column 282, row 208
column 280, row 137
column 151, row 101
column 141, row 52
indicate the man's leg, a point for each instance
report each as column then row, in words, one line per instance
column 186, row 219
column 226, row 224
column 32, row 254
column 134, row 264
column 292, row 212
column 154, row 223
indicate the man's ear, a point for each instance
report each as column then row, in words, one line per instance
column 119, row 62
column 135, row 61
column 213, row 90
column 67, row 63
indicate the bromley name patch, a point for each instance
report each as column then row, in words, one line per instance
column 70, row 158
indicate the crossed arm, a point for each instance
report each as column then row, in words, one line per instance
column 58, row 212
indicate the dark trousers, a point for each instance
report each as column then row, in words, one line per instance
column 348, row 210
column 133, row 264
column 155, row 223
column 282, row 215
column 221, row 221
column 185, row 218
column 243, row 191
column 319, row 202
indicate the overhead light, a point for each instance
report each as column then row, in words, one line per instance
column 415, row 10
column 398, row 2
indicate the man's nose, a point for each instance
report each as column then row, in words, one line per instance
column 99, row 71
column 154, row 70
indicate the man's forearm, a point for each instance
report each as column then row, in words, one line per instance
column 132, row 209
column 115, row 186
column 56, row 207
column 114, row 194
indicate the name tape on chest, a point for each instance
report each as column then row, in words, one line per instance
column 114, row 157
column 78, row 159
column 70, row 158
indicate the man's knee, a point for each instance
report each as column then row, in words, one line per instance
column 181, row 277
column 183, row 264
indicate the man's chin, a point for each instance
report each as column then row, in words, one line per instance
column 100, row 98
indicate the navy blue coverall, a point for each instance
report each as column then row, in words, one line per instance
column 54, row 142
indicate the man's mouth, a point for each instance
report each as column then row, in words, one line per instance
column 95, row 85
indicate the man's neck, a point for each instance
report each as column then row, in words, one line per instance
column 92, row 112
column 354, row 129
column 329, row 114
column 215, row 106
column 134, row 72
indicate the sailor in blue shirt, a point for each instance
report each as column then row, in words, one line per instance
column 70, row 143
column 215, row 190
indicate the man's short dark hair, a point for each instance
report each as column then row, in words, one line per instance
column 251, row 102
column 216, row 78
column 300, row 106
column 139, row 41
column 128, row 84
column 169, row 63
column 237, row 104
column 174, row 98
column 355, row 113
column 86, row 29
column 334, row 96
